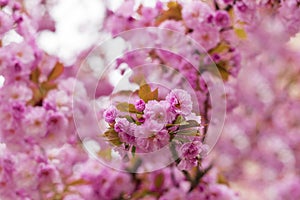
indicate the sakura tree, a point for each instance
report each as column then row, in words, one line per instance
column 177, row 100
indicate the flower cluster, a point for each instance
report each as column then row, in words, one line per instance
column 151, row 124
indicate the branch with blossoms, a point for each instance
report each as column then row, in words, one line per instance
column 42, row 157
column 151, row 124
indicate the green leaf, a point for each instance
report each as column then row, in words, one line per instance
column 221, row 179
column 190, row 124
column 129, row 118
column 193, row 123
column 174, row 152
column 56, row 72
column 181, row 139
column 241, row 33
column 126, row 107
column 220, row 48
column 159, row 180
column 133, row 149
column 112, row 136
column 179, row 119
column 222, row 67
column 182, row 123
column 188, row 132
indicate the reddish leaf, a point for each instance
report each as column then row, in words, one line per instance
column 144, row 90
column 173, row 12
column 37, row 96
column 56, row 72
column 46, row 86
column 35, row 74
column 146, row 94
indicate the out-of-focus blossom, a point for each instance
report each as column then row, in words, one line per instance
column 180, row 101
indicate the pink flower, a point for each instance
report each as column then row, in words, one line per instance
column 6, row 23
column 125, row 130
column 112, row 20
column 195, row 12
column 126, row 9
column 173, row 25
column 154, row 142
column 34, row 122
column 187, row 164
column 190, row 152
column 47, row 174
column 180, row 101
column 46, row 22
column 72, row 87
column 221, row 192
column 289, row 13
column 175, row 194
column 228, row 1
column 288, row 188
column 110, row 114
column 122, row 125
column 68, row 155
column 109, row 184
column 58, row 100
column 208, row 36
column 135, row 58
column 148, row 15
column 3, row 3
column 245, row 11
column 222, row 19
column 18, row 109
column 7, row 166
column 73, row 197
column 157, row 114
column 22, row 53
column 17, row 92
column 140, row 105
column 56, row 121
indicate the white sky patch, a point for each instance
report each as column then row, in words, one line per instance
column 77, row 28
column 113, row 4
column 2, row 80
column 11, row 36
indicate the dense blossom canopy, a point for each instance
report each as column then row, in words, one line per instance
column 174, row 51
